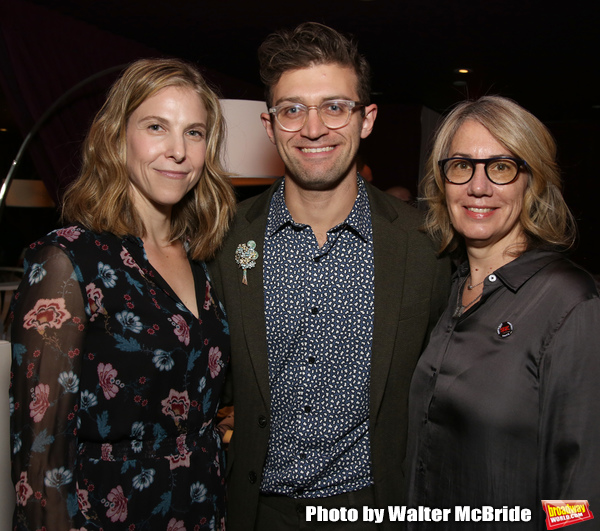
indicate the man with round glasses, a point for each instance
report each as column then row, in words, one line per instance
column 330, row 309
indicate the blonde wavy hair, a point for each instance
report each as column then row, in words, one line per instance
column 545, row 217
column 100, row 198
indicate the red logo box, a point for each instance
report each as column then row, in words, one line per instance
column 561, row 513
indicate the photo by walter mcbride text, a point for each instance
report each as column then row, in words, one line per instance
column 402, row 513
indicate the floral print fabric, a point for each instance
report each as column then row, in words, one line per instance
column 115, row 385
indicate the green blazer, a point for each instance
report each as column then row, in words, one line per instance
column 411, row 290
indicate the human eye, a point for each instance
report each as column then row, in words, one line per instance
column 291, row 111
column 460, row 165
column 155, row 127
column 334, row 108
column 197, row 134
column 502, row 166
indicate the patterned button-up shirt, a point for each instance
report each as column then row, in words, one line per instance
column 319, row 306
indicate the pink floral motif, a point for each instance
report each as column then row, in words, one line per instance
column 94, row 298
column 176, row 405
column 214, row 357
column 82, row 500
column 70, row 233
column 107, row 452
column 117, row 510
column 23, row 489
column 47, row 313
column 40, row 403
column 176, row 525
column 107, row 376
column 129, row 261
column 183, row 459
column 207, row 297
column 182, row 330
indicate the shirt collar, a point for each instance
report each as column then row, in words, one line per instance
column 359, row 218
column 518, row 271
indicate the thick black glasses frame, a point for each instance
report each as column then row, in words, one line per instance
column 486, row 162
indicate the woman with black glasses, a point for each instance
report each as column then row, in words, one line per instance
column 505, row 400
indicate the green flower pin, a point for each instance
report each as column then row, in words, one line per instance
column 245, row 257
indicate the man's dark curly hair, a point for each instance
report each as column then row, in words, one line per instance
column 308, row 45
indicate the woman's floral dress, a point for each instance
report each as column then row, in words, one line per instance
column 114, row 390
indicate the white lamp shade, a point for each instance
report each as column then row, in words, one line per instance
column 248, row 151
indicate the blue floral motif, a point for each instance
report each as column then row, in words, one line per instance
column 36, row 273
column 88, row 400
column 137, row 430
column 144, row 479
column 198, row 492
column 107, row 275
column 130, row 321
column 137, row 446
column 69, row 381
column 57, row 477
column 162, row 360
column 17, row 442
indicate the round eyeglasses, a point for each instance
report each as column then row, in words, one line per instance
column 499, row 170
column 334, row 114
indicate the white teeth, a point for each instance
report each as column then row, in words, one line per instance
column 317, row 150
column 479, row 210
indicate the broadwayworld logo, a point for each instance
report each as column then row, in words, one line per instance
column 560, row 513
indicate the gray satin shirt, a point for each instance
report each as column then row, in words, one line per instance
column 505, row 400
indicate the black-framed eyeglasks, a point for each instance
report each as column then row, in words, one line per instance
column 499, row 170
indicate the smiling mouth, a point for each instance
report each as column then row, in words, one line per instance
column 479, row 210
column 317, row 150
column 173, row 174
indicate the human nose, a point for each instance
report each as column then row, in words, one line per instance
column 313, row 126
column 480, row 185
column 176, row 148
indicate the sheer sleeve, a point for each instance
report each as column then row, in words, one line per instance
column 48, row 330
column 570, row 410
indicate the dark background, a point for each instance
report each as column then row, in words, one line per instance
column 542, row 54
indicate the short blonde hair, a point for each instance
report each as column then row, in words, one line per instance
column 545, row 217
column 100, row 199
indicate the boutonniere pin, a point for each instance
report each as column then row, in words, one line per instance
column 245, row 257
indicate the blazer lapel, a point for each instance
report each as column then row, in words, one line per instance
column 252, row 298
column 390, row 244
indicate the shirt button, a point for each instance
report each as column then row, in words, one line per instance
column 317, row 259
column 492, row 278
column 302, row 455
column 315, row 310
column 307, row 409
column 262, row 421
column 311, row 360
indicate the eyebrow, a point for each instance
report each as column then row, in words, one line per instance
column 153, row 118
column 298, row 99
column 466, row 156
